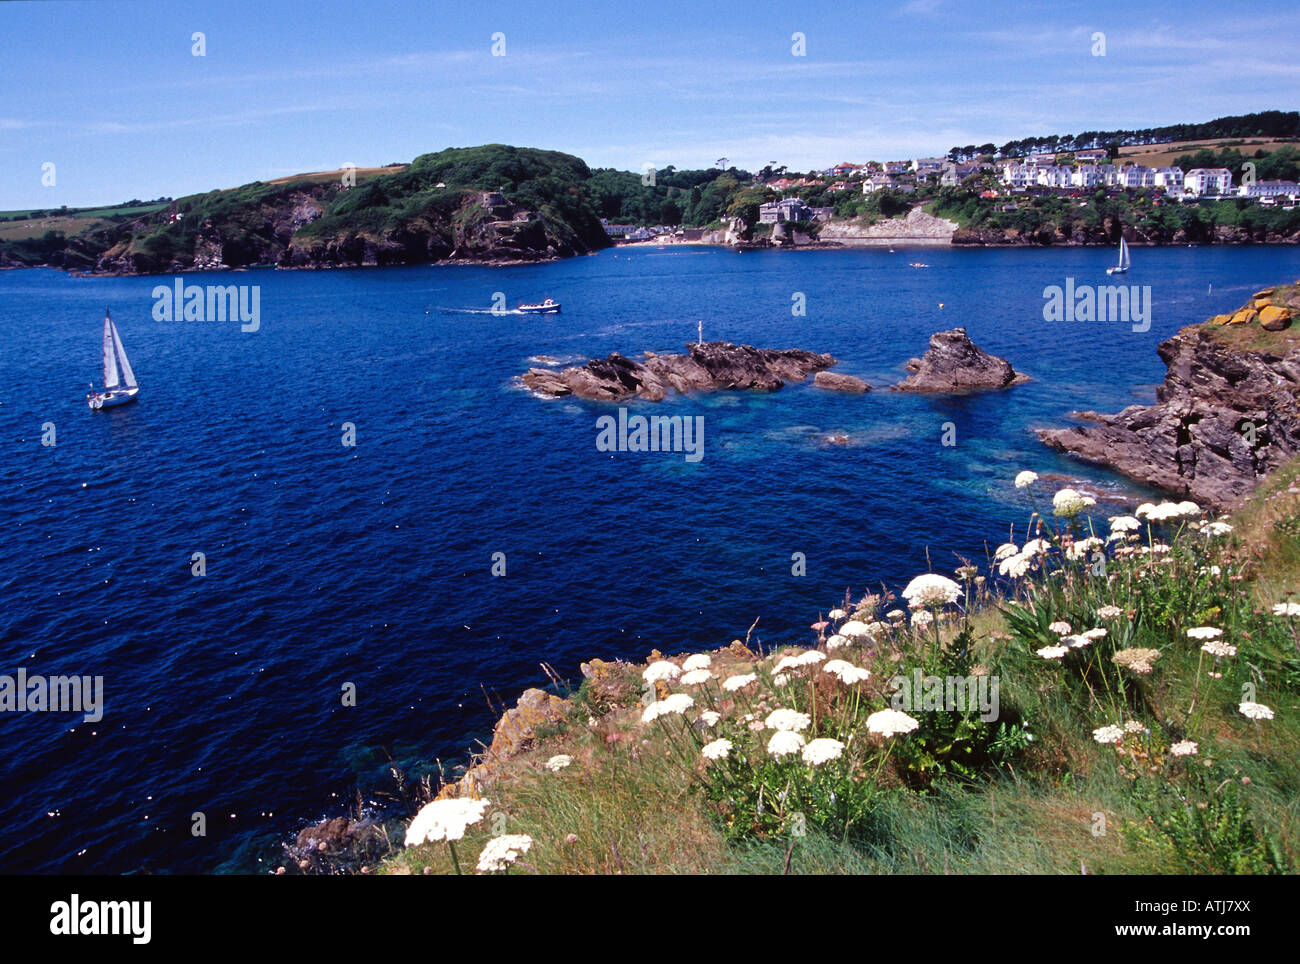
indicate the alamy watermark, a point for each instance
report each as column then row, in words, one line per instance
column 1124, row 303
column 946, row 694
column 53, row 694
column 658, row 433
column 182, row 302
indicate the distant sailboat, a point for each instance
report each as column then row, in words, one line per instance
column 119, row 381
column 1123, row 259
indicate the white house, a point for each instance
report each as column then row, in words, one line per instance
column 1269, row 189
column 1170, row 178
column 1086, row 175
column 1208, row 180
column 1053, row 175
column 1136, row 176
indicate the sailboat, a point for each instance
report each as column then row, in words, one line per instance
column 1123, row 259
column 119, row 381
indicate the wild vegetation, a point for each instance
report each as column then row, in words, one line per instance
column 1144, row 675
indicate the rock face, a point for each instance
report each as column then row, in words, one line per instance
column 836, row 382
column 955, row 364
column 515, row 733
column 1227, row 414
column 708, row 366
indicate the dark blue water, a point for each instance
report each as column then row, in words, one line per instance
column 372, row 565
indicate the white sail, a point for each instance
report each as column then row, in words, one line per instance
column 128, row 376
column 110, row 355
column 1123, row 253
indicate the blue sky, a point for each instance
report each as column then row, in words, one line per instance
column 111, row 94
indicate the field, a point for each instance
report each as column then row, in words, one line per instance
column 1164, row 155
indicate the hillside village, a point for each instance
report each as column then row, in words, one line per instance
column 1066, row 174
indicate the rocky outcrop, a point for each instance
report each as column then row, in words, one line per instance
column 837, row 382
column 708, row 366
column 955, row 364
column 1227, row 413
column 515, row 733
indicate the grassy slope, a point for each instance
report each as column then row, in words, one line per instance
column 633, row 805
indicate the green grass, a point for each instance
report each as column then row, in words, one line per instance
column 638, row 797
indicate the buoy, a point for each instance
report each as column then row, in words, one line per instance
column 941, row 304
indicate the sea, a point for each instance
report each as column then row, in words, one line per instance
column 332, row 547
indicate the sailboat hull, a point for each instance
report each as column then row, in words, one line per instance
column 1116, row 270
column 111, row 399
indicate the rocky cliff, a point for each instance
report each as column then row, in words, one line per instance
column 1227, row 414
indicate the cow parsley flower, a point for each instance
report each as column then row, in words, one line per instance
column 558, row 762
column 1204, row 632
column 1124, row 523
column 922, row 618
column 784, row 742
column 1216, row 529
column 1068, row 503
column 500, row 852
column 733, row 683
column 791, row 720
column 890, row 722
column 676, row 704
column 836, row 641
column 1137, row 660
column 662, row 670
column 1005, row 551
column 846, row 672
column 1217, row 647
column 854, row 627
column 717, row 750
column 931, row 589
column 1286, row 609
column 1108, row 734
column 837, row 614
column 1015, row 566
column 1025, row 479
column 695, row 677
column 1061, row 628
column 710, row 717
column 698, row 661
column 1255, row 711
column 445, row 819
column 1184, row 748
column 1053, row 652
column 817, row 752
column 1109, row 612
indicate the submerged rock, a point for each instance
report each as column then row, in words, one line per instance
column 954, row 364
column 708, row 366
column 836, row 382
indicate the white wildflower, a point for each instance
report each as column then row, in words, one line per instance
column 931, row 589
column 791, row 720
column 500, row 852
column 1108, row 734
column 717, row 750
column 733, row 683
column 445, row 820
column 822, row 751
column 662, row 670
column 891, row 722
column 784, row 742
